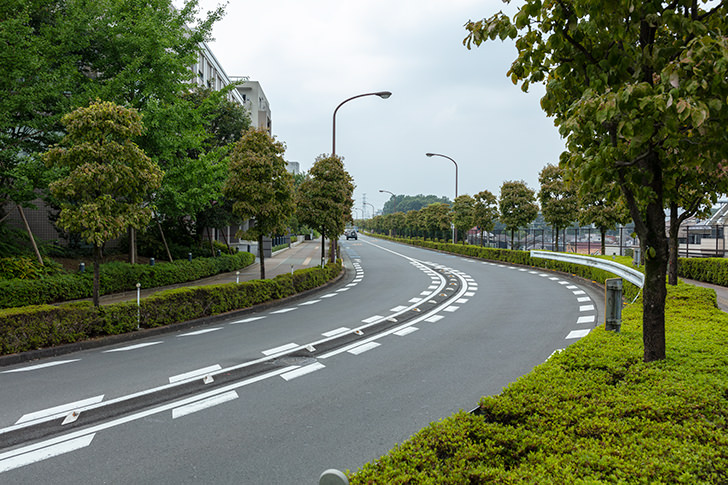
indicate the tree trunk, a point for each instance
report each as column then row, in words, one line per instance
column 132, row 245
column 673, row 245
column 30, row 235
column 97, row 274
column 164, row 241
column 557, row 239
column 603, row 233
column 261, row 256
column 323, row 250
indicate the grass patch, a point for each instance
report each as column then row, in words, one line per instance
column 594, row 413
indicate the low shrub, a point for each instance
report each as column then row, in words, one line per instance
column 594, row 413
column 34, row 327
column 708, row 270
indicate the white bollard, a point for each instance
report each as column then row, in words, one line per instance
column 333, row 477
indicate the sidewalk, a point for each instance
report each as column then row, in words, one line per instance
column 721, row 292
column 303, row 254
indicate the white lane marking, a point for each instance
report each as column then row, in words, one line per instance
column 58, row 411
column 423, row 293
column 577, row 334
column 40, row 366
column 375, row 318
column 130, row 347
column 434, row 318
column 309, row 302
column 398, row 308
column 329, row 295
column 357, row 280
column 579, row 292
column 342, row 289
column 469, row 293
column 572, row 287
column 553, row 278
column 583, row 299
column 462, row 300
column 415, row 300
column 246, row 320
column 302, row 371
column 337, row 331
column 533, row 272
column 351, row 284
column 586, row 308
column 586, row 319
column 557, row 351
column 544, row 275
column 432, row 287
column 406, row 331
column 45, row 453
column 563, row 282
column 451, row 309
column 363, row 348
column 521, row 269
column 203, row 404
column 282, row 348
column 199, row 332
column 306, row 261
column 195, row 373
column 284, row 310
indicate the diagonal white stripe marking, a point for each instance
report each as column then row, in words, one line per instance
column 434, row 318
column 337, row 331
column 246, row 320
column 45, row 453
column 451, row 309
column 203, row 404
column 199, row 332
column 40, row 366
column 302, row 371
column 406, row 331
column 309, row 302
column 363, row 348
column 329, row 295
column 284, row 310
column 58, row 411
column 586, row 319
column 282, row 348
column 373, row 319
column 577, row 334
column 397, row 308
column 194, row 373
column 131, row 347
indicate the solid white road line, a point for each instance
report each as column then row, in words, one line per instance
column 302, row 371
column 194, row 373
column 130, row 347
column 282, row 348
column 40, row 366
column 58, row 411
column 45, row 453
column 203, row 404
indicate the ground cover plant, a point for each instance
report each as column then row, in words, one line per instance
column 594, row 413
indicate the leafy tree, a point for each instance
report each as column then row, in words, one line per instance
column 639, row 90
column 110, row 177
column 463, row 210
column 604, row 213
column 413, row 222
column 558, row 200
column 325, row 199
column 485, row 212
column 406, row 203
column 517, row 206
column 260, row 186
column 436, row 218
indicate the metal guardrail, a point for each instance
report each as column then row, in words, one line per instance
column 625, row 272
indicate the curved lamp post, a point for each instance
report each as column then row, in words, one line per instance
column 373, row 209
column 381, row 94
column 456, row 184
column 394, row 199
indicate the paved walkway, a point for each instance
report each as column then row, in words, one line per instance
column 721, row 292
column 303, row 254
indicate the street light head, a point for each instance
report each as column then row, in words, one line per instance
column 384, row 94
column 381, row 190
column 429, row 154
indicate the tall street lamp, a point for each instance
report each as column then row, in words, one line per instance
column 392, row 232
column 381, row 94
column 454, row 240
column 373, row 209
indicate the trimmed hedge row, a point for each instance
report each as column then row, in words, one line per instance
column 34, row 327
column 594, row 413
column 708, row 270
column 516, row 257
column 115, row 277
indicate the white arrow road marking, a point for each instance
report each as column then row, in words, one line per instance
column 131, row 347
column 40, row 366
column 58, row 411
column 194, row 373
column 45, row 453
column 302, row 371
column 203, row 404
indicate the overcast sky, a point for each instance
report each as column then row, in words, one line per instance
column 311, row 55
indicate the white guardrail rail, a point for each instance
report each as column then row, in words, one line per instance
column 625, row 272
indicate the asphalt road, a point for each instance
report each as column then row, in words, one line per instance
column 334, row 380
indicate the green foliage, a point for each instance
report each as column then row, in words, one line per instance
column 21, row 267
column 485, row 211
column 558, row 200
column 709, row 270
column 463, row 214
column 34, row 327
column 407, row 203
column 517, row 205
column 115, row 277
column 594, row 413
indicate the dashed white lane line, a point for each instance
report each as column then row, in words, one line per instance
column 246, row 320
column 398, row 308
column 203, row 404
column 311, row 302
column 469, row 293
column 283, row 310
column 579, row 292
column 199, row 332
column 282, row 348
column 351, row 284
column 40, row 366
column 434, row 318
column 583, row 299
column 572, row 287
column 423, row 293
column 578, row 334
column 553, row 278
column 563, row 282
column 302, row 371
column 131, row 347
column 363, row 348
column 194, row 373
column 461, row 300
column 586, row 319
column 58, row 411
column 375, row 318
column 406, row 331
column 342, row 289
column 329, row 295
column 451, row 309
column 415, row 300
column 45, row 453
column 336, row 331
column 586, row 308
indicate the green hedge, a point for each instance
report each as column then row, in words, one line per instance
column 115, row 277
column 708, row 270
column 594, row 413
column 516, row 257
column 34, row 327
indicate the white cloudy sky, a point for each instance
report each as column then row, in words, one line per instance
column 311, row 55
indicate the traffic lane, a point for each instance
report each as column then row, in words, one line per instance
column 107, row 374
column 347, row 413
